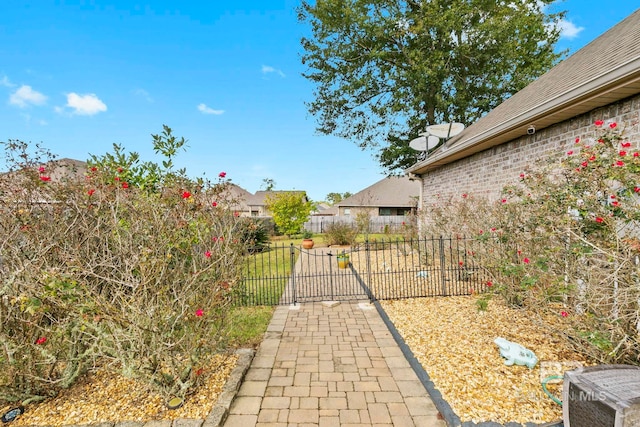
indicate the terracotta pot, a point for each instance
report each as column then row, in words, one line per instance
column 307, row 243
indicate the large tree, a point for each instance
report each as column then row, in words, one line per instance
column 385, row 69
column 334, row 198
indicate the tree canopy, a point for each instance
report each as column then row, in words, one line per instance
column 290, row 210
column 385, row 69
column 334, row 198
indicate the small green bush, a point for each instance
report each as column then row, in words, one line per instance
column 254, row 234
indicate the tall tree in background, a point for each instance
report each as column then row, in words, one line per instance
column 334, row 198
column 268, row 184
column 385, row 69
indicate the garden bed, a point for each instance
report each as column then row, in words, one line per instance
column 453, row 341
column 104, row 397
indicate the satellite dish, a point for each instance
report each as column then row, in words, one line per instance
column 419, row 143
column 445, row 130
column 424, row 143
column 432, row 141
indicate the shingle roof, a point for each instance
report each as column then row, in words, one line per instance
column 259, row 199
column 393, row 191
column 605, row 71
column 238, row 197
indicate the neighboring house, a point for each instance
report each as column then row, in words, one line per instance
column 65, row 168
column 257, row 202
column 324, row 209
column 391, row 196
column 11, row 183
column 599, row 82
column 237, row 198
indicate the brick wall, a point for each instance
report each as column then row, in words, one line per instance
column 485, row 174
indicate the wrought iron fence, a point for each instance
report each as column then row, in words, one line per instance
column 374, row 270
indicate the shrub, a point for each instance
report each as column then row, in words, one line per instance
column 99, row 270
column 253, row 233
column 339, row 233
column 363, row 222
column 409, row 228
column 564, row 241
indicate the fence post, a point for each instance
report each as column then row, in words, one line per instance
column 367, row 255
column 443, row 273
column 292, row 263
column 331, row 272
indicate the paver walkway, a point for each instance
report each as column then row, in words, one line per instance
column 331, row 364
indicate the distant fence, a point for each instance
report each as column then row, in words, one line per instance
column 377, row 224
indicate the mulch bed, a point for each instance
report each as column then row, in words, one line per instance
column 105, row 397
column 453, row 341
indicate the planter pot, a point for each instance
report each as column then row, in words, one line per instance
column 343, row 261
column 307, row 243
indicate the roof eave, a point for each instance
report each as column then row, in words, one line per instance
column 603, row 90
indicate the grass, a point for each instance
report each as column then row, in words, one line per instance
column 266, row 274
column 320, row 239
column 245, row 326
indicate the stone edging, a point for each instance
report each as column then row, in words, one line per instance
column 442, row 405
column 220, row 410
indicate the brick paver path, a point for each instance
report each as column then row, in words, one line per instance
column 331, row 364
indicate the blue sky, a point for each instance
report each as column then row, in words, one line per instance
column 80, row 75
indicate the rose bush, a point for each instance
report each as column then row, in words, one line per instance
column 564, row 241
column 130, row 265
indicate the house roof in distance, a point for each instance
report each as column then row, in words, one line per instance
column 392, row 191
column 604, row 71
column 259, row 199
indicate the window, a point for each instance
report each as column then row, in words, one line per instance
column 394, row 211
column 347, row 211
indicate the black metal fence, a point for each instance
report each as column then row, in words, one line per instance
column 373, row 270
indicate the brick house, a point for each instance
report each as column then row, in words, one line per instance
column 599, row 82
column 387, row 204
column 391, row 196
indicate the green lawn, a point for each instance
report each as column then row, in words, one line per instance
column 245, row 326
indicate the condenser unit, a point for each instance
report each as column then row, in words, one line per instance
column 602, row 396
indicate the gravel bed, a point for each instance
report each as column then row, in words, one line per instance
column 104, row 397
column 453, row 341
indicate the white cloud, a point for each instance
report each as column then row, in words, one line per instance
column 4, row 81
column 208, row 110
column 568, row 29
column 266, row 69
column 85, row 105
column 25, row 96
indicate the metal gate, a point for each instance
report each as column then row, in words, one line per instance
column 324, row 274
column 372, row 271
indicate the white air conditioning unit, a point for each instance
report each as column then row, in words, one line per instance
column 602, row 396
